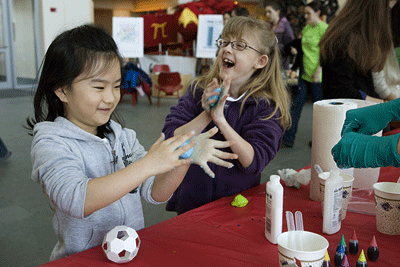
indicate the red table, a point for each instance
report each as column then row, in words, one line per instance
column 218, row 234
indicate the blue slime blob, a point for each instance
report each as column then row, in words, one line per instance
column 215, row 97
column 187, row 153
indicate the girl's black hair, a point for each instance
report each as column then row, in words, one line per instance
column 72, row 53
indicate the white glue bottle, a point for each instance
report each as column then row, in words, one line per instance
column 332, row 203
column 274, row 209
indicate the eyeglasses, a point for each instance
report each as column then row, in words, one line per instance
column 237, row 45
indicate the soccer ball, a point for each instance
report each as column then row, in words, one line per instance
column 121, row 244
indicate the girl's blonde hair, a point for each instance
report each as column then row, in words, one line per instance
column 266, row 83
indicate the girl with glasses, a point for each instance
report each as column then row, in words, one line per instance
column 252, row 111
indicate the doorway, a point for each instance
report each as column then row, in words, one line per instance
column 18, row 44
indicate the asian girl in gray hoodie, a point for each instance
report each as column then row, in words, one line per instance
column 91, row 168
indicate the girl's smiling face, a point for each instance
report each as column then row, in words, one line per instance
column 92, row 97
column 240, row 65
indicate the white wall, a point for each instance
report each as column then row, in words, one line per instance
column 68, row 14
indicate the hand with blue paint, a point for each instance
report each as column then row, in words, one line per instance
column 366, row 151
column 217, row 90
column 188, row 153
column 165, row 155
column 206, row 150
column 214, row 95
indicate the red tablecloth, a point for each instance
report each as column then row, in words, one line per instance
column 218, row 234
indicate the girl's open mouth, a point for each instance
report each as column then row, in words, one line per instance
column 228, row 63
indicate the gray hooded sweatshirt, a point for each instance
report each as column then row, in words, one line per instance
column 64, row 159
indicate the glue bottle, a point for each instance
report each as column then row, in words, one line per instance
column 332, row 203
column 274, row 209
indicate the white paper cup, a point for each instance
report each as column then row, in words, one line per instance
column 387, row 205
column 347, row 189
column 307, row 247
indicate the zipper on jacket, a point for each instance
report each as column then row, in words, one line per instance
column 115, row 159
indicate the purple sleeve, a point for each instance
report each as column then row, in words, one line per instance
column 187, row 108
column 264, row 135
column 288, row 36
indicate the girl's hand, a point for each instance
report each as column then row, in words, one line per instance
column 209, row 92
column 217, row 112
column 163, row 155
column 293, row 50
column 206, row 150
column 317, row 75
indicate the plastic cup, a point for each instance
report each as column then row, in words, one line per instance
column 387, row 203
column 347, row 190
column 307, row 247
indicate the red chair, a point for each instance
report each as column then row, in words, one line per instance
column 168, row 82
column 158, row 68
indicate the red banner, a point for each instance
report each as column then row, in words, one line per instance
column 159, row 28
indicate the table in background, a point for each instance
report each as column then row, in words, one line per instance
column 218, row 234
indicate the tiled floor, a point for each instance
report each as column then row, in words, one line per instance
column 26, row 234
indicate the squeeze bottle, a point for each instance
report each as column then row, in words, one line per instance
column 274, row 209
column 332, row 203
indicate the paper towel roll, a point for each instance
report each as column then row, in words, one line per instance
column 328, row 119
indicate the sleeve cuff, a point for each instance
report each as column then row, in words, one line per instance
column 363, row 94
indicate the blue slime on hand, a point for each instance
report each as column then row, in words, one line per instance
column 187, row 153
column 215, row 97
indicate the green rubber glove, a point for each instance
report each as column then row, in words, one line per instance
column 366, row 151
column 372, row 119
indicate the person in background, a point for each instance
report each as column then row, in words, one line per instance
column 356, row 43
column 252, row 110
column 311, row 76
column 387, row 81
column 4, row 152
column 282, row 29
column 240, row 11
column 93, row 170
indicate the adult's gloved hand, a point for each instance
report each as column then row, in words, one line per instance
column 366, row 151
column 372, row 119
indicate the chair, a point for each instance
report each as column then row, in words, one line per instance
column 168, row 82
column 158, row 68
column 132, row 76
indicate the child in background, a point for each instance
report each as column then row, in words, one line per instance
column 281, row 27
column 92, row 169
column 253, row 111
column 311, row 75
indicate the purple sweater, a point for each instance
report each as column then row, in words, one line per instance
column 265, row 136
column 285, row 35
